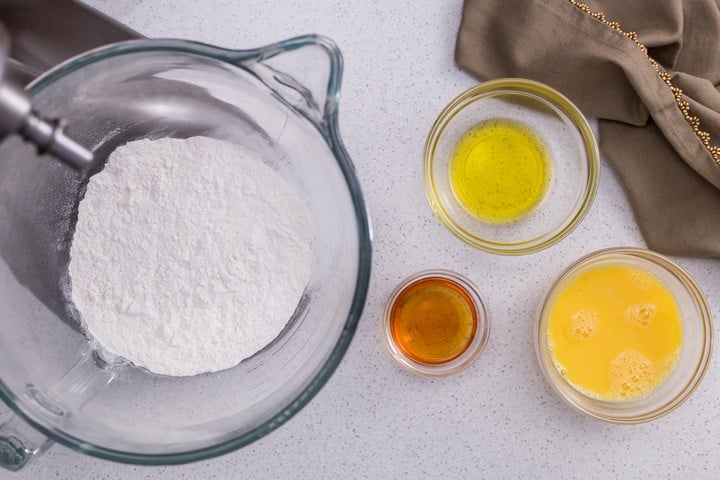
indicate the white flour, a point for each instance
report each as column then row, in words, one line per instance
column 189, row 255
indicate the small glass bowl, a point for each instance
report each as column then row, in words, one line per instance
column 476, row 344
column 695, row 351
column 573, row 155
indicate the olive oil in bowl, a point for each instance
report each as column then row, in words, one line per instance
column 500, row 170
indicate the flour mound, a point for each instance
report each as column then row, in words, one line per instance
column 189, row 255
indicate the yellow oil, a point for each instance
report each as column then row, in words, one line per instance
column 615, row 332
column 500, row 170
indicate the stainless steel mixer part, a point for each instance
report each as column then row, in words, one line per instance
column 17, row 116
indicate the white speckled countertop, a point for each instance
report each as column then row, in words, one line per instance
column 499, row 418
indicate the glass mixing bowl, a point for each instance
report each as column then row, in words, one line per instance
column 573, row 157
column 280, row 101
column 695, row 352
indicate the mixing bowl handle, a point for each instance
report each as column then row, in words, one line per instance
column 19, row 441
column 305, row 72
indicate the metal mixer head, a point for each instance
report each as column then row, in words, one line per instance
column 17, row 116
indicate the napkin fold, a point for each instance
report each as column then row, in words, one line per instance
column 649, row 71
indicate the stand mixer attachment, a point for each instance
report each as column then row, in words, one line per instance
column 17, row 116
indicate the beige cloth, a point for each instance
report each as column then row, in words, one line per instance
column 646, row 128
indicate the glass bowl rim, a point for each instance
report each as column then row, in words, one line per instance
column 477, row 344
column 544, row 93
column 704, row 319
column 330, row 132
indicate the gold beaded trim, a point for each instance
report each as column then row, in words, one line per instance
column 677, row 92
